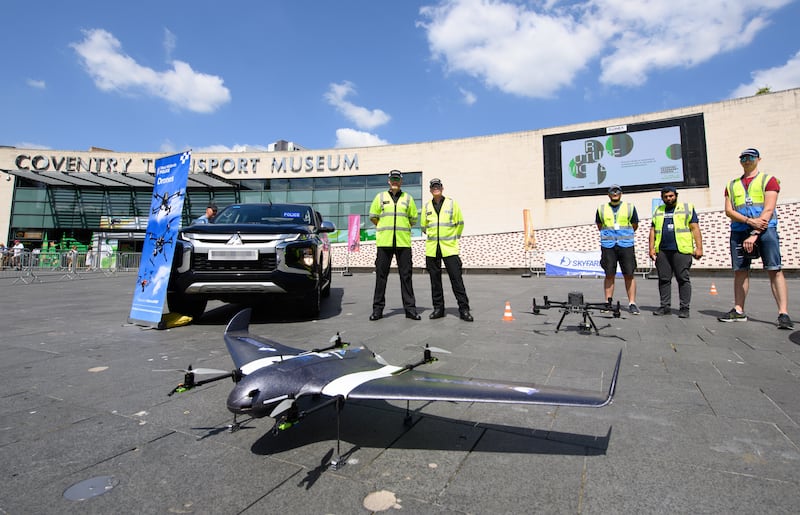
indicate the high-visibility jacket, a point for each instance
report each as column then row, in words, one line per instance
column 750, row 201
column 609, row 236
column 443, row 228
column 680, row 221
column 395, row 219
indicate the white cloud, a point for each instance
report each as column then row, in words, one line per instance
column 468, row 97
column 361, row 116
column 348, row 138
column 778, row 78
column 170, row 42
column 181, row 86
column 536, row 49
column 38, row 84
column 220, row 149
column 32, row 146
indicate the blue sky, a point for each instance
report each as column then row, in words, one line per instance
column 172, row 75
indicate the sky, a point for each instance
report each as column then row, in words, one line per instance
column 173, row 75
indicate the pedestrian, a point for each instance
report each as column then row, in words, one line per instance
column 674, row 240
column 394, row 213
column 208, row 217
column 443, row 224
column 617, row 221
column 750, row 202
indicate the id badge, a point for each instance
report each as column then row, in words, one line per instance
column 616, row 226
column 671, row 227
column 748, row 201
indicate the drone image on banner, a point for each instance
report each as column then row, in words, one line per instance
column 575, row 304
column 271, row 378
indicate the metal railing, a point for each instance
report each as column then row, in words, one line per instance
column 24, row 266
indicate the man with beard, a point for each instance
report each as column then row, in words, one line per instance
column 674, row 240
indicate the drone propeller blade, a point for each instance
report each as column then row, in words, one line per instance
column 380, row 359
column 437, row 349
column 281, row 407
column 198, row 371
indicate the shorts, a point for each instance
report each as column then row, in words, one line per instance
column 769, row 246
column 625, row 256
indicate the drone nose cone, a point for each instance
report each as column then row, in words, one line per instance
column 241, row 401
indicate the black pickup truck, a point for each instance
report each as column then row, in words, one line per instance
column 249, row 251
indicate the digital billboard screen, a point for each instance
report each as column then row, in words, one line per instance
column 639, row 157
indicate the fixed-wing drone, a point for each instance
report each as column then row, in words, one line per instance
column 271, row 378
column 575, row 304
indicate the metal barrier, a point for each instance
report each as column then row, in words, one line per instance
column 24, row 266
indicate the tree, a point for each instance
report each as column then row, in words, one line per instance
column 763, row 91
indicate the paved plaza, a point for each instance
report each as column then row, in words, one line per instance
column 705, row 420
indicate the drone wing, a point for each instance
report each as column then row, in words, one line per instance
column 246, row 349
column 396, row 383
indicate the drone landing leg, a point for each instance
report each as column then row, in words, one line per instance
column 563, row 314
column 407, row 419
column 336, row 461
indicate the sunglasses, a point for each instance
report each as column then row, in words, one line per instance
column 745, row 159
column 614, row 191
column 395, row 179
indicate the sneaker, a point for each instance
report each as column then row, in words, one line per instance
column 784, row 322
column 633, row 308
column 662, row 311
column 683, row 313
column 733, row 316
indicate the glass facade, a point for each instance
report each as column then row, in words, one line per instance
column 77, row 212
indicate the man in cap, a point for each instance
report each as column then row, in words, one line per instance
column 394, row 213
column 617, row 221
column 750, row 202
column 443, row 224
column 208, row 217
column 674, row 240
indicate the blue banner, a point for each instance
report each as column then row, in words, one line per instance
column 163, row 225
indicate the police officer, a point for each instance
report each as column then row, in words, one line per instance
column 674, row 240
column 443, row 224
column 394, row 213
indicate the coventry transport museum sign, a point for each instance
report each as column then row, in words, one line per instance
column 228, row 166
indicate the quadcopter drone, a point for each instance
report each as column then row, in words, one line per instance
column 165, row 199
column 575, row 304
column 271, row 378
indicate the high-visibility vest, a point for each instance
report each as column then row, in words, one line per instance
column 443, row 228
column 680, row 221
column 394, row 219
column 755, row 193
column 609, row 236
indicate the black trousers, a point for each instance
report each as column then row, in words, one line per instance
column 383, row 261
column 672, row 263
column 453, row 266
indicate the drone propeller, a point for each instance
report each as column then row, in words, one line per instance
column 437, row 349
column 282, row 407
column 198, row 371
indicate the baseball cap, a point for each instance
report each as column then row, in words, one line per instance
column 212, row 206
column 395, row 174
column 615, row 187
column 750, row 152
column 436, row 182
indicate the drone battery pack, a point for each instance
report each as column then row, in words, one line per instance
column 575, row 298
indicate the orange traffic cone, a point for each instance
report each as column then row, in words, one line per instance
column 507, row 316
column 713, row 289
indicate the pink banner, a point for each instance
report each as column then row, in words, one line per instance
column 354, row 233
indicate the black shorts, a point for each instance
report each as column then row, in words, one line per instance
column 625, row 256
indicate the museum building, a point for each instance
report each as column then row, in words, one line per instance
column 558, row 175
